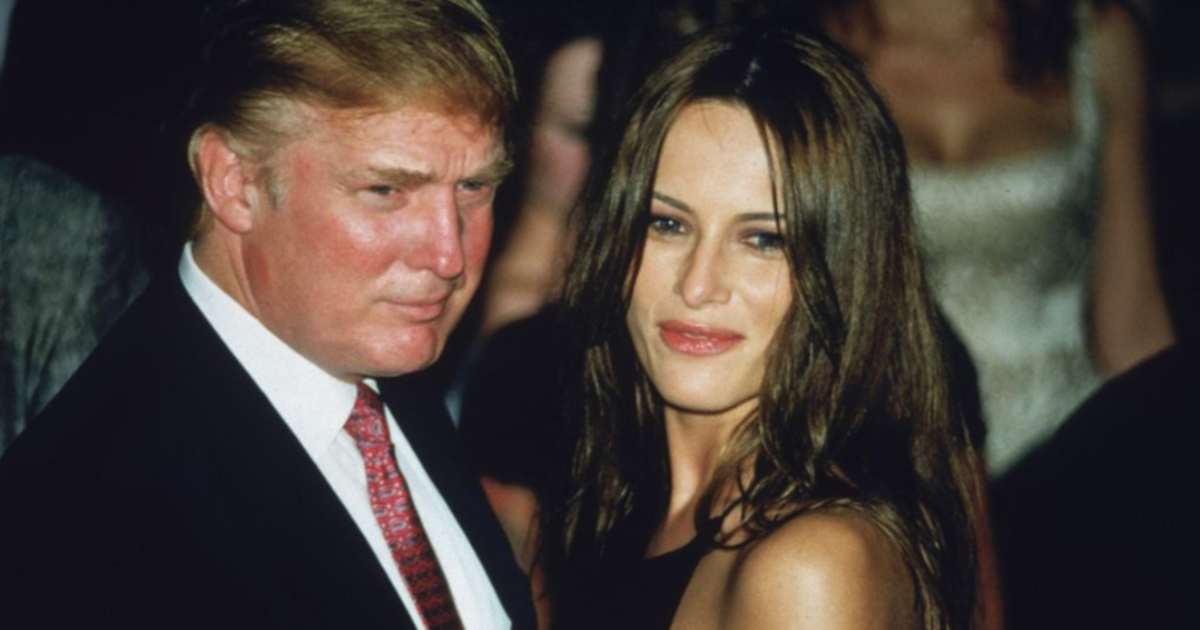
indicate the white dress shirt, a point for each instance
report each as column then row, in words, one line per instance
column 315, row 405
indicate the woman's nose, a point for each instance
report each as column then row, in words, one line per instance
column 701, row 281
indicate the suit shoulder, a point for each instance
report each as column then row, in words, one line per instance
column 824, row 569
column 112, row 399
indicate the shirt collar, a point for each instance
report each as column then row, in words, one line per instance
column 314, row 404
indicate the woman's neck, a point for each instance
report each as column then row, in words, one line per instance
column 694, row 446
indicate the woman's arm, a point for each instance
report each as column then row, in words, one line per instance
column 1130, row 321
column 989, row 598
column 516, row 508
column 828, row 571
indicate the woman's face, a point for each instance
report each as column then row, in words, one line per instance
column 558, row 151
column 714, row 282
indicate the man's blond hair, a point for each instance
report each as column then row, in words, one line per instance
column 264, row 57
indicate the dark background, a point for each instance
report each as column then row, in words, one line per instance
column 96, row 89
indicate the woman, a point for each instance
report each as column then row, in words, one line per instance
column 1025, row 122
column 765, row 437
column 557, row 51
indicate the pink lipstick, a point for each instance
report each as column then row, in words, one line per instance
column 697, row 340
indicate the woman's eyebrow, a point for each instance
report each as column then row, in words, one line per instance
column 671, row 201
column 743, row 217
column 757, row 216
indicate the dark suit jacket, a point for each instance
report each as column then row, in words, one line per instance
column 161, row 489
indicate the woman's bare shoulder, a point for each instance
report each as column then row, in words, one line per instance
column 825, row 569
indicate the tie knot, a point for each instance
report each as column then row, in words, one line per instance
column 367, row 424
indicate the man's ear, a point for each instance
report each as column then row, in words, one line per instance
column 226, row 182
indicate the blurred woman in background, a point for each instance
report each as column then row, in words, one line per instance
column 1025, row 122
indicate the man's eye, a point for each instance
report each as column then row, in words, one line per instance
column 381, row 190
column 474, row 185
column 475, row 193
column 665, row 225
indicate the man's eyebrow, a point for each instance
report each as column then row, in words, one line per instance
column 400, row 177
column 495, row 170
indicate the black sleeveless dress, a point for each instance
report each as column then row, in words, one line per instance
column 640, row 596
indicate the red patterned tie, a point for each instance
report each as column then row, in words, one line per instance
column 397, row 516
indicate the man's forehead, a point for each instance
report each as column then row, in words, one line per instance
column 408, row 124
column 407, row 143
column 417, row 115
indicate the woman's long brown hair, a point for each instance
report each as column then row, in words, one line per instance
column 855, row 409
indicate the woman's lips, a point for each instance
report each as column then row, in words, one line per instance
column 697, row 340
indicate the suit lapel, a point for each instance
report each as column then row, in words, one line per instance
column 251, row 489
column 420, row 413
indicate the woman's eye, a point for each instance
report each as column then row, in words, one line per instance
column 665, row 225
column 765, row 241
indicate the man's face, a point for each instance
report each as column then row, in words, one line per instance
column 376, row 239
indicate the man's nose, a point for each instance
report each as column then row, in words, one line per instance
column 438, row 245
column 702, row 279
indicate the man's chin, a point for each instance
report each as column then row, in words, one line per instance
column 392, row 351
column 404, row 360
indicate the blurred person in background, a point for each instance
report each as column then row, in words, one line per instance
column 1026, row 122
column 505, row 396
column 557, row 50
column 6, row 7
column 70, row 263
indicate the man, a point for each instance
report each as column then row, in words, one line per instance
column 223, row 459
